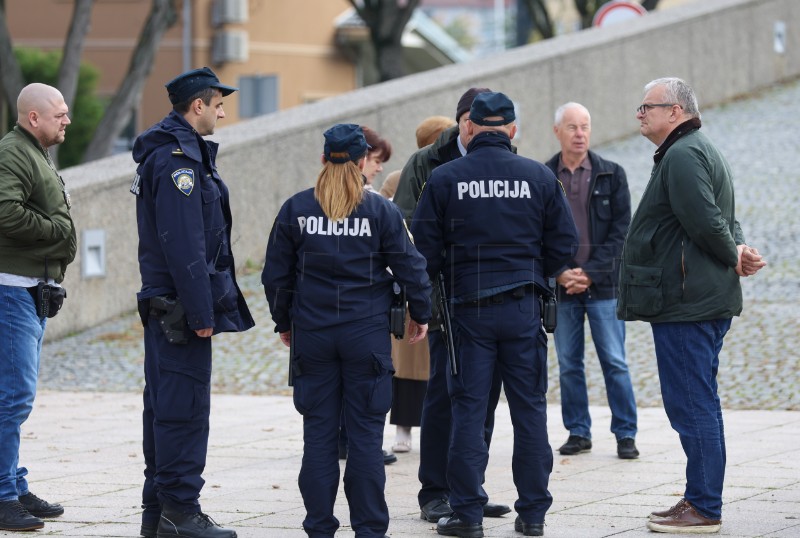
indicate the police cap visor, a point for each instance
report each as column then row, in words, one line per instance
column 186, row 85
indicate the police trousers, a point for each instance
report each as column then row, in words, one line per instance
column 177, row 403
column 509, row 336
column 347, row 367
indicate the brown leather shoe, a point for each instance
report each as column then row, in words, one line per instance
column 667, row 513
column 685, row 520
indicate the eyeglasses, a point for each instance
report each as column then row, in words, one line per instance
column 644, row 107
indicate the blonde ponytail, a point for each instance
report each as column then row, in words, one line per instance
column 339, row 189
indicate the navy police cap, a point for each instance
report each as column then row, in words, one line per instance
column 345, row 142
column 186, row 85
column 492, row 104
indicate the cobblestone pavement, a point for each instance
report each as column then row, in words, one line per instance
column 759, row 363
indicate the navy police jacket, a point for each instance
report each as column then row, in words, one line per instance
column 321, row 273
column 184, row 221
column 492, row 219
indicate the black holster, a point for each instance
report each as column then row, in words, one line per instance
column 48, row 299
column 549, row 313
column 170, row 315
column 397, row 312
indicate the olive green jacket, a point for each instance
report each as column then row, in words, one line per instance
column 679, row 258
column 35, row 224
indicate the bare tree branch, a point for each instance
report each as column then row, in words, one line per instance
column 540, row 18
column 70, row 68
column 12, row 80
column 386, row 20
column 163, row 15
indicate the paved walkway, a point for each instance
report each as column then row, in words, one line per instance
column 82, row 443
column 84, row 450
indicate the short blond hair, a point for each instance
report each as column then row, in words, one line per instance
column 431, row 128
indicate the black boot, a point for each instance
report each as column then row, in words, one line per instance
column 178, row 525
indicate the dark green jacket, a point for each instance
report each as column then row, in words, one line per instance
column 35, row 224
column 679, row 258
column 412, row 180
column 419, row 168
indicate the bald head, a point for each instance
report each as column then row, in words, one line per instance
column 41, row 110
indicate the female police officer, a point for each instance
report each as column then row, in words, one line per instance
column 329, row 292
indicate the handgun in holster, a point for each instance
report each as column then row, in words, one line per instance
column 171, row 318
column 397, row 312
column 447, row 326
column 548, row 308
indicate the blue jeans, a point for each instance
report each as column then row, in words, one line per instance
column 608, row 334
column 688, row 360
column 21, row 334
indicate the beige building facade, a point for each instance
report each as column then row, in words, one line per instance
column 282, row 53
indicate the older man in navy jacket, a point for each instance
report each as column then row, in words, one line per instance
column 598, row 195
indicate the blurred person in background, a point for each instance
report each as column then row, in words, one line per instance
column 412, row 363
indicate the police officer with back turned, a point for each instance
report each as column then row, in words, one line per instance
column 496, row 224
column 436, row 420
column 329, row 291
column 189, row 292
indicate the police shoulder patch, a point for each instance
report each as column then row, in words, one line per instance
column 184, row 180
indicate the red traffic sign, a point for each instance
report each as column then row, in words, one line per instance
column 617, row 11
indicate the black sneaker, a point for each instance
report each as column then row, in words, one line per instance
column 389, row 458
column 14, row 517
column 626, row 449
column 575, row 445
column 198, row 525
column 39, row 507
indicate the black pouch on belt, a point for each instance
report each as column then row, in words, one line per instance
column 48, row 299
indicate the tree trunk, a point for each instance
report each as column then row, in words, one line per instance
column 70, row 68
column 586, row 10
column 541, row 18
column 386, row 20
column 12, row 80
column 163, row 15
column 390, row 61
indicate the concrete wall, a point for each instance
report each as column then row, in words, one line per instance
column 723, row 48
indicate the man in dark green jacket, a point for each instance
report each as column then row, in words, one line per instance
column 37, row 242
column 681, row 264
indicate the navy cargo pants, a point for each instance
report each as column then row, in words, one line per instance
column 435, row 428
column 352, row 363
column 177, row 402
column 507, row 335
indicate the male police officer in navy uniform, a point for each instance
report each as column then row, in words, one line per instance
column 496, row 224
column 326, row 280
column 189, row 293
column 436, row 415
